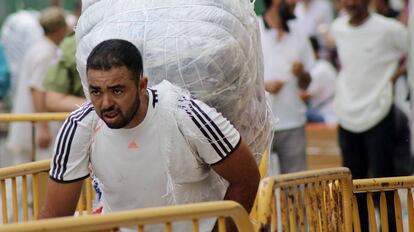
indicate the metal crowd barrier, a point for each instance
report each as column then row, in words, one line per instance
column 33, row 118
column 192, row 213
column 381, row 186
column 318, row 200
column 36, row 173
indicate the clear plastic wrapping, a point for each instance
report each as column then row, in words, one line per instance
column 210, row 47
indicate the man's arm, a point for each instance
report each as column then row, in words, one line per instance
column 59, row 102
column 241, row 171
column 303, row 77
column 70, row 164
column 401, row 70
column 38, row 98
column 61, row 199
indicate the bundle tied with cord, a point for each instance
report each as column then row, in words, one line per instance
column 209, row 47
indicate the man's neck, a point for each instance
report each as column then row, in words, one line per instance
column 306, row 4
column 272, row 19
column 358, row 21
column 142, row 112
column 54, row 37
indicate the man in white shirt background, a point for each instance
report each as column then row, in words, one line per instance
column 287, row 58
column 30, row 95
column 313, row 20
column 369, row 48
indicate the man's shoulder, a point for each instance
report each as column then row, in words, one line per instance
column 165, row 91
column 340, row 22
column 68, row 48
column 385, row 22
column 175, row 99
column 166, row 85
column 69, row 41
column 85, row 112
column 39, row 53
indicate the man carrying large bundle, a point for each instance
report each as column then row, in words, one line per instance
column 148, row 147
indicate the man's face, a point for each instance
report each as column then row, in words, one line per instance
column 292, row 5
column 356, row 8
column 288, row 4
column 116, row 96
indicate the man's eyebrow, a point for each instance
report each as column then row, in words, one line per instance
column 94, row 87
column 116, row 87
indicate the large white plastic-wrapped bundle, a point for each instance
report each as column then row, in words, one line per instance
column 210, row 47
column 19, row 31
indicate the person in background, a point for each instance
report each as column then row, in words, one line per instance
column 288, row 58
column 410, row 74
column 311, row 14
column 30, row 96
column 313, row 20
column 383, row 7
column 19, row 32
column 4, row 75
column 63, row 86
column 369, row 48
column 4, row 87
column 321, row 91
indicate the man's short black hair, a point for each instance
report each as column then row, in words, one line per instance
column 267, row 4
column 116, row 53
column 285, row 13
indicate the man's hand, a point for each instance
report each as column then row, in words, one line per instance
column 274, row 86
column 401, row 70
column 303, row 77
column 305, row 96
column 297, row 69
column 44, row 138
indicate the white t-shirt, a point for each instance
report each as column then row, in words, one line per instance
column 34, row 68
column 369, row 56
column 136, row 167
column 278, row 58
column 322, row 89
column 318, row 12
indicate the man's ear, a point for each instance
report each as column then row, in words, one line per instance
column 143, row 83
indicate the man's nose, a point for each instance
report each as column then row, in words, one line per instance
column 107, row 101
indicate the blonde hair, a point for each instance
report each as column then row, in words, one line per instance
column 52, row 19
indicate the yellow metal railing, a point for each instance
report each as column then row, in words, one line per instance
column 382, row 185
column 17, row 179
column 318, row 200
column 263, row 172
column 33, row 119
column 192, row 213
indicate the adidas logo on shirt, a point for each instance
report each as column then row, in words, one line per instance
column 133, row 144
